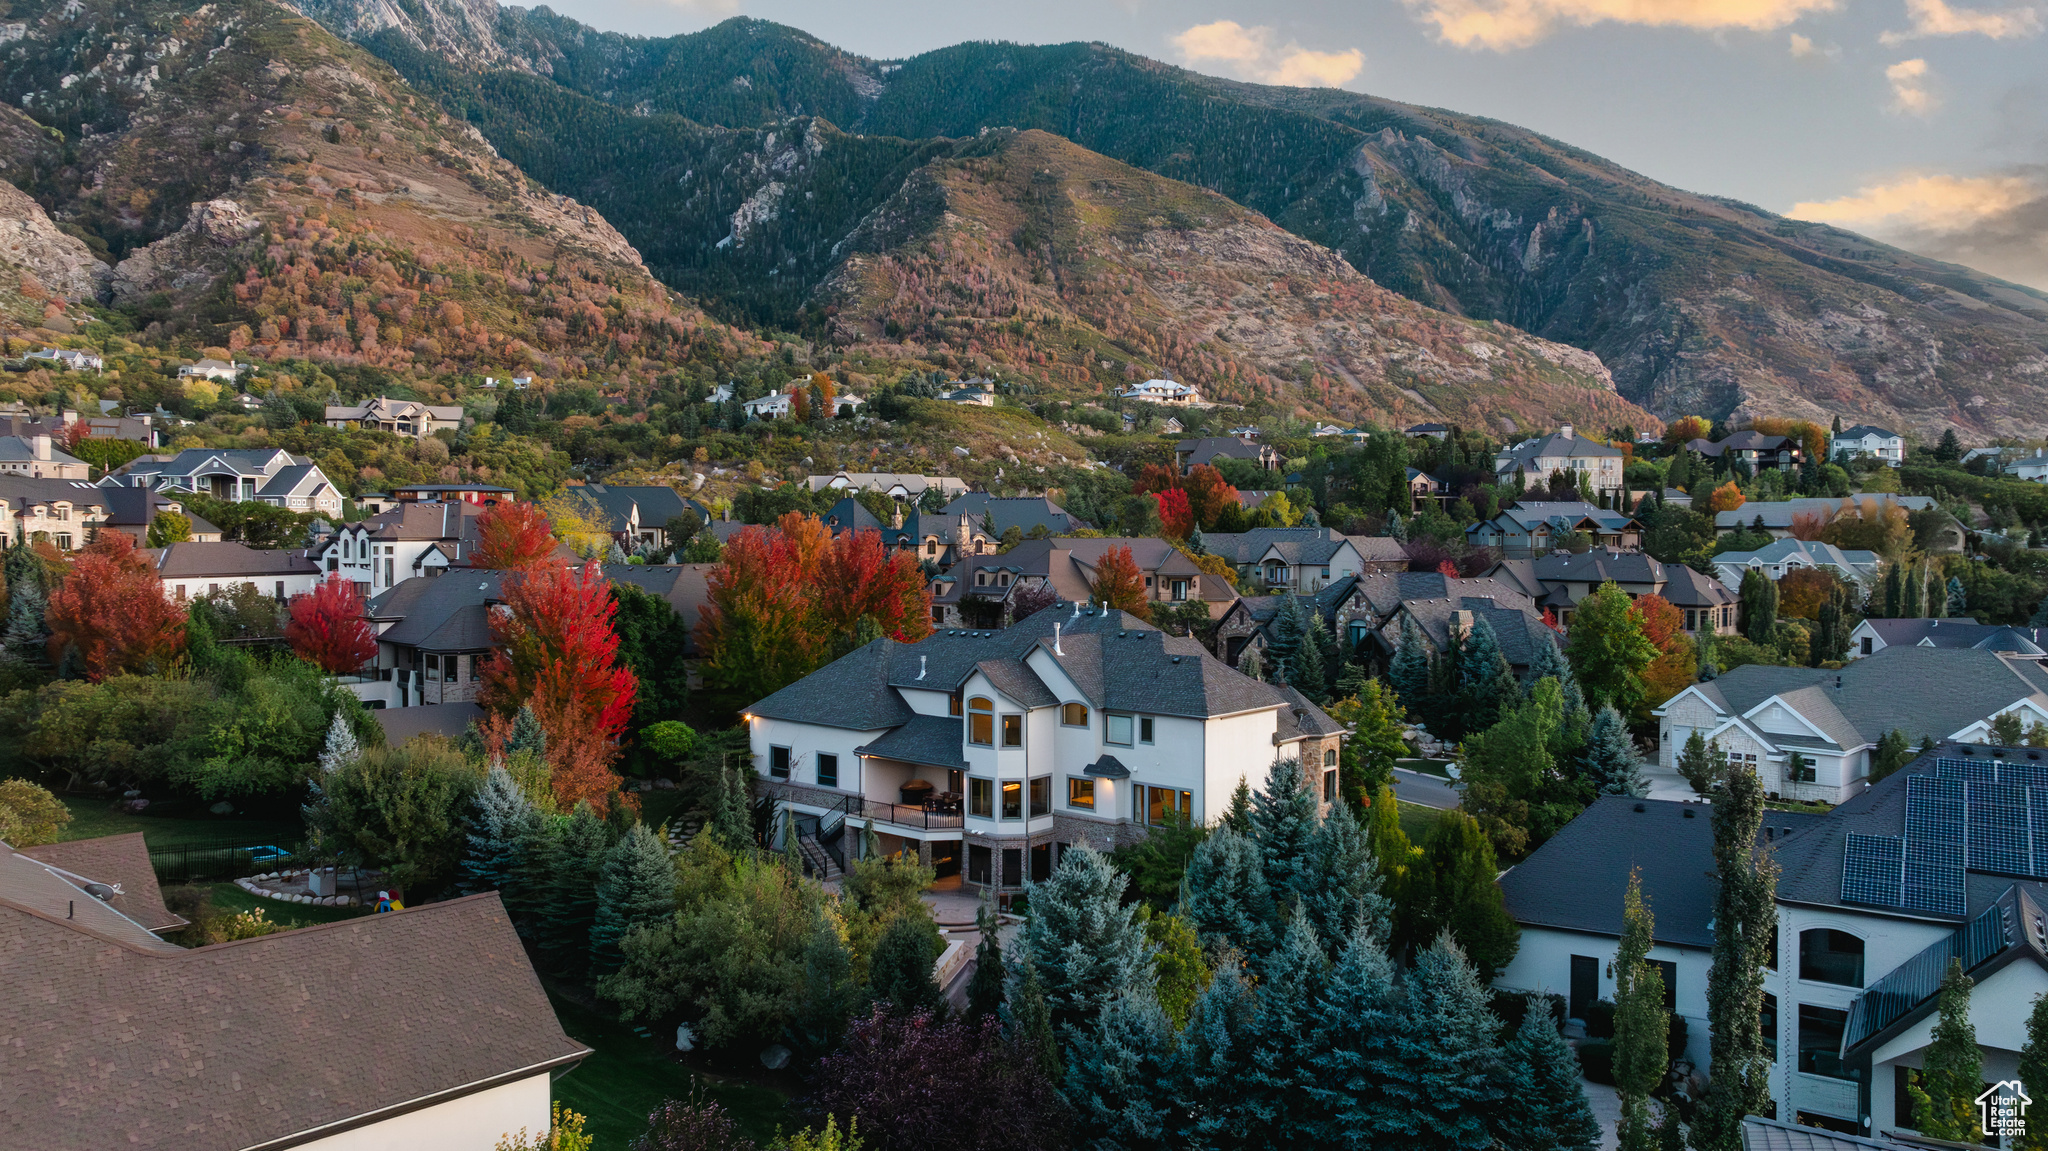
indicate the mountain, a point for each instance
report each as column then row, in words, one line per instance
column 1695, row 303
column 243, row 177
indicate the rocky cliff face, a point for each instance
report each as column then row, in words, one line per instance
column 42, row 260
column 1037, row 244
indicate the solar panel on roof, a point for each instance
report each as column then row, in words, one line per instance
column 1937, row 889
column 2023, row 773
column 1969, row 769
column 1997, row 828
column 1934, row 808
column 2037, row 826
column 1873, row 869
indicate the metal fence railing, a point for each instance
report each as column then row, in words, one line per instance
column 220, row 859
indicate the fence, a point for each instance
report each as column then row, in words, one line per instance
column 216, row 859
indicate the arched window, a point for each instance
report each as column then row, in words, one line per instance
column 1074, row 714
column 1330, row 758
column 1830, row 956
column 981, row 722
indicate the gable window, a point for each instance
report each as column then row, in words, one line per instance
column 828, row 770
column 981, row 797
column 778, row 762
column 1080, row 792
column 1013, row 731
column 1116, row 729
column 1041, row 796
column 1073, row 715
column 981, row 722
column 1145, row 729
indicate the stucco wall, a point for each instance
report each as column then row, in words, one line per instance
column 472, row 1123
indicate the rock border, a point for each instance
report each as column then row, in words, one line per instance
column 253, row 884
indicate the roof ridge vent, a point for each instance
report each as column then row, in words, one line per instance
column 922, row 661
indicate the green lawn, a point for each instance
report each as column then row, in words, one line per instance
column 233, row 900
column 626, row 1076
column 1435, row 767
column 1417, row 821
column 175, row 823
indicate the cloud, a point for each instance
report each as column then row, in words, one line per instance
column 1996, row 223
column 1936, row 18
column 1801, row 46
column 1254, row 54
column 1909, row 87
column 1503, row 25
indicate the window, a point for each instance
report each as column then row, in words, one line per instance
column 1163, row 803
column 828, row 770
column 1830, row 956
column 1081, row 793
column 953, row 704
column 1802, row 768
column 449, row 668
column 778, row 762
column 1866, row 645
column 1329, row 787
column 1330, row 757
column 433, row 667
column 1145, row 730
column 938, row 615
column 1013, row 867
column 977, row 864
column 981, row 797
column 1041, row 863
column 1041, row 796
column 1013, row 799
column 981, row 722
column 1820, row 1041
column 476, row 668
column 1013, row 731
column 1116, row 729
column 1073, row 715
column 181, row 591
column 1669, row 971
column 1768, row 1025
column 280, row 590
column 64, row 541
column 1180, row 590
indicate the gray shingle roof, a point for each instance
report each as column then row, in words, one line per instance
column 17, row 449
column 851, row 692
column 403, row 723
column 1779, row 514
column 1960, row 633
column 226, row 558
column 1950, row 689
column 427, row 610
column 930, row 740
column 1022, row 513
column 1557, row 444
column 1313, row 545
column 1685, row 587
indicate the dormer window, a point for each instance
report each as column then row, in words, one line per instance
column 981, row 722
column 1074, row 715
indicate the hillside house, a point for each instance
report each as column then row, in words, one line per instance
column 896, row 485
column 1189, row 454
column 976, row 391
column 65, row 359
column 1562, row 451
column 1789, row 555
column 1304, row 560
column 481, row 494
column 413, row 539
column 37, row 456
column 418, row 1028
column 1164, row 392
column 979, row 590
column 1364, row 612
column 1873, row 898
column 1874, row 635
column 1871, row 442
column 1437, row 432
column 1779, row 517
column 1424, row 489
column 998, row 514
column 193, row 570
column 1754, row 450
column 1560, row 580
column 1810, row 732
column 634, row 514
column 1532, row 527
column 2031, row 468
column 988, row 752
column 233, row 475
column 408, row 418
column 68, row 511
column 221, row 370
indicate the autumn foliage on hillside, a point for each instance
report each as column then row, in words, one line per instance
column 110, row 612
column 512, row 535
column 558, row 654
column 327, row 627
column 1203, row 487
column 786, row 599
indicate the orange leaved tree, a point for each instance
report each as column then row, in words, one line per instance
column 783, row 598
column 111, row 612
column 1118, row 583
column 1208, row 494
column 558, row 654
column 512, row 535
column 1726, row 498
column 327, row 627
column 1677, row 659
column 1176, row 518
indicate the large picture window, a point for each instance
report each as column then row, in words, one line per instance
column 1080, row 793
column 1830, row 956
column 981, row 722
column 981, row 797
column 1820, row 1041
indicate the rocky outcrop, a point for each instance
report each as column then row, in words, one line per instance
column 32, row 248
column 189, row 259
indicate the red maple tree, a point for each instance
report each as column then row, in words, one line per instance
column 512, row 535
column 1176, row 519
column 1119, row 584
column 111, row 611
column 327, row 627
column 1208, row 493
column 558, row 654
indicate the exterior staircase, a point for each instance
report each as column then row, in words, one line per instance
column 814, row 853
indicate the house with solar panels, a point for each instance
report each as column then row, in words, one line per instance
column 1810, row 732
column 1946, row 858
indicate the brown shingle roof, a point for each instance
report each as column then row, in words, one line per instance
column 117, row 860
column 226, row 558
column 265, row 1040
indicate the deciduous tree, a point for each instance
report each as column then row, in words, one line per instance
column 1608, row 650
column 1641, row 1043
column 1745, row 921
column 111, row 612
column 1119, row 584
column 327, row 627
column 1952, row 1069
column 511, row 536
column 1176, row 517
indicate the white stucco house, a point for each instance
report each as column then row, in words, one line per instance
column 268, row 475
column 1881, row 444
column 1787, row 555
column 408, row 418
column 1873, row 899
column 2032, row 468
column 195, row 570
column 1810, row 731
column 987, row 751
column 1874, row 635
column 1562, row 451
column 1164, row 392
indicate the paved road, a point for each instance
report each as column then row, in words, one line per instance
column 1427, row 790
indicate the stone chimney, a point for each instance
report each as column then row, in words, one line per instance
column 963, row 533
column 1565, row 431
column 1462, row 621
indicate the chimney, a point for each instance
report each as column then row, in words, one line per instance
column 70, row 417
column 1565, row 431
column 1462, row 620
column 41, row 443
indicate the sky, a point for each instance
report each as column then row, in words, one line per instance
column 1920, row 122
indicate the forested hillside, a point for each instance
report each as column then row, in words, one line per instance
column 1694, row 303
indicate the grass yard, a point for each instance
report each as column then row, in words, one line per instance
column 627, row 1075
column 228, row 898
column 175, row 823
column 1417, row 821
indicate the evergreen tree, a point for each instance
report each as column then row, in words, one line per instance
column 1453, row 889
column 575, row 857
column 1285, row 634
column 1546, row 1099
column 985, row 987
column 1214, row 1060
column 25, row 606
column 2034, row 1069
column 1284, row 826
column 1641, row 1029
column 732, row 819
column 1894, row 589
column 1409, row 672
column 1950, row 449
column 1893, row 751
column 1080, row 940
column 1952, row 1067
column 1252, row 664
column 1030, row 1025
column 1913, row 595
column 830, row 996
column 1831, row 628
column 1701, row 763
column 1608, row 763
column 1745, row 914
column 501, row 830
column 341, row 748
column 900, row 970
column 1114, row 1076
column 1396, row 527
column 1277, row 1078
column 1549, row 662
column 1340, row 887
column 1392, row 851
column 1306, row 672
column 1756, row 608
column 1446, row 1043
column 1361, row 1095
column 1224, row 895
column 1958, row 599
column 1486, row 684
column 527, row 734
column 636, row 885
column 1238, row 816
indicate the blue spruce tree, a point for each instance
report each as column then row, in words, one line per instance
column 1486, row 684
column 1284, row 827
column 1958, row 599
column 1085, row 945
column 1354, row 1053
column 1114, row 1075
column 637, row 885
column 527, row 734
column 1608, row 760
column 1408, row 672
column 1446, row 1042
column 1214, row 1058
column 1224, row 895
column 1289, row 627
column 829, row 996
column 1546, row 1108
column 576, row 853
column 502, row 829
column 1341, row 887
column 985, row 987
column 1277, row 1107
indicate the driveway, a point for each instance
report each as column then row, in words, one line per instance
column 1427, row 790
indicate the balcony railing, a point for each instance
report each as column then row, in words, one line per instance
column 902, row 814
